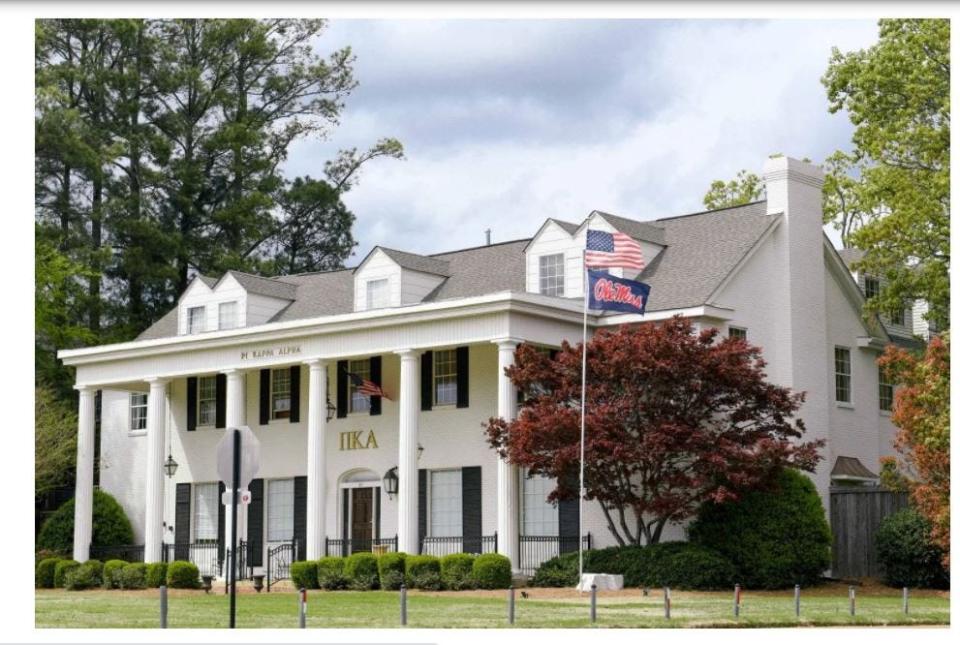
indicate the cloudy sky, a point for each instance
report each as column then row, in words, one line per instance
column 506, row 123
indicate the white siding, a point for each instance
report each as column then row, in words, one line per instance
column 414, row 286
column 377, row 267
column 199, row 295
column 261, row 309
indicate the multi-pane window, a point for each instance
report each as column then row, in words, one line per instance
column 227, row 315
column 279, row 510
column 841, row 368
column 280, row 393
column 196, row 320
column 540, row 517
column 446, row 503
column 871, row 287
column 359, row 402
column 206, row 400
column 206, row 504
column 886, row 391
column 378, row 293
column 898, row 316
column 445, row 377
column 138, row 411
column 737, row 332
column 551, row 274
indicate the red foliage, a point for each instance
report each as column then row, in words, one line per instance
column 674, row 418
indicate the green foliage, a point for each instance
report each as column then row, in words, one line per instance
column 61, row 568
column 304, row 574
column 111, row 573
column 110, row 525
column 133, row 576
column 156, row 574
column 746, row 188
column 183, row 575
column 330, row 574
column 492, row 571
column 392, row 568
column 45, row 572
column 680, row 565
column 55, row 440
column 907, row 554
column 456, row 571
column 86, row 576
column 360, row 570
column 423, row 572
column 775, row 538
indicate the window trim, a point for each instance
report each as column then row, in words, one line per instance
column 733, row 331
column 267, row 509
column 436, row 375
column 386, row 286
column 145, row 405
column 212, row 422
column 236, row 315
column 194, row 524
column 524, row 479
column 430, row 474
column 868, row 282
column 881, row 383
column 848, row 402
column 273, row 385
column 560, row 277
column 351, row 388
column 203, row 321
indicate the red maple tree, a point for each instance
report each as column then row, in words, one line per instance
column 674, row 418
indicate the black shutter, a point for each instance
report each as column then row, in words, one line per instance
column 376, row 513
column 463, row 377
column 181, row 527
column 221, row 420
column 426, row 381
column 264, row 397
column 342, row 403
column 221, row 522
column 345, row 526
column 255, row 525
column 300, row 516
column 568, row 515
column 422, row 506
column 295, row 394
column 376, row 375
column 472, row 518
column 192, row 403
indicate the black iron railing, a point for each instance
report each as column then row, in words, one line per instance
column 279, row 559
column 537, row 549
column 206, row 555
column 344, row 547
column 440, row 546
column 126, row 552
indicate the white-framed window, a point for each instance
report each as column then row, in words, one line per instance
column 551, row 274
column 446, row 503
column 196, row 320
column 540, row 517
column 737, row 332
column 138, row 411
column 899, row 316
column 871, row 287
column 378, row 293
column 842, row 374
column 359, row 402
column 227, row 315
column 886, row 390
column 445, row 377
column 279, row 510
column 206, row 400
column 280, row 393
column 206, row 507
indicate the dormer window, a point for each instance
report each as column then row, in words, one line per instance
column 871, row 287
column 227, row 315
column 196, row 320
column 378, row 293
column 551, row 274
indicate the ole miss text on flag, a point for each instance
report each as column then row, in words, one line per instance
column 366, row 387
column 609, row 250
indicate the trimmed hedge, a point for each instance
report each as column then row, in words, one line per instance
column 303, row 574
column 908, row 557
column 46, row 569
column 111, row 573
column 110, row 525
column 360, row 570
column 774, row 538
column 330, row 573
column 133, row 575
column 88, row 575
column 392, row 568
column 492, row 571
column 183, row 575
column 60, row 572
column 456, row 571
column 156, row 574
column 423, row 572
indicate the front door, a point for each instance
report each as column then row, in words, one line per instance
column 361, row 525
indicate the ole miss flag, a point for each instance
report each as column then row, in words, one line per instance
column 366, row 386
column 606, row 250
column 617, row 294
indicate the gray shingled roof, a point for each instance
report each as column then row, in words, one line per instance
column 648, row 231
column 414, row 262
column 569, row 227
column 849, row 256
column 271, row 287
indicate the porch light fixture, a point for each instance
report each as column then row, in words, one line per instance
column 170, row 466
column 391, row 482
column 331, row 410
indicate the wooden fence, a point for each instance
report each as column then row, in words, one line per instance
column 855, row 516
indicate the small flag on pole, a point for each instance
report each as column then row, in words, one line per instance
column 608, row 250
column 609, row 293
column 366, row 386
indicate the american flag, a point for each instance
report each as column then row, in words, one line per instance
column 613, row 250
column 366, row 386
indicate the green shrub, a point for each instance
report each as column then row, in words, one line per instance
column 60, row 572
column 908, row 557
column 183, row 575
column 133, row 575
column 360, row 570
column 492, row 571
column 560, row 571
column 46, row 569
column 330, row 573
column 456, row 571
column 680, row 565
column 156, row 574
column 110, row 525
column 304, row 574
column 111, row 573
column 88, row 575
column 774, row 538
column 423, row 572
column 392, row 568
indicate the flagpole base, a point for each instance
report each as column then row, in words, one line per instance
column 604, row 582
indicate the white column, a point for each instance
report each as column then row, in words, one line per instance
column 316, row 458
column 83, row 500
column 508, row 475
column 236, row 416
column 407, row 463
column 156, row 441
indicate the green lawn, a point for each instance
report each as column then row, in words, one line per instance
column 543, row 608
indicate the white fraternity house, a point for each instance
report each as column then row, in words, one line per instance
column 342, row 471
